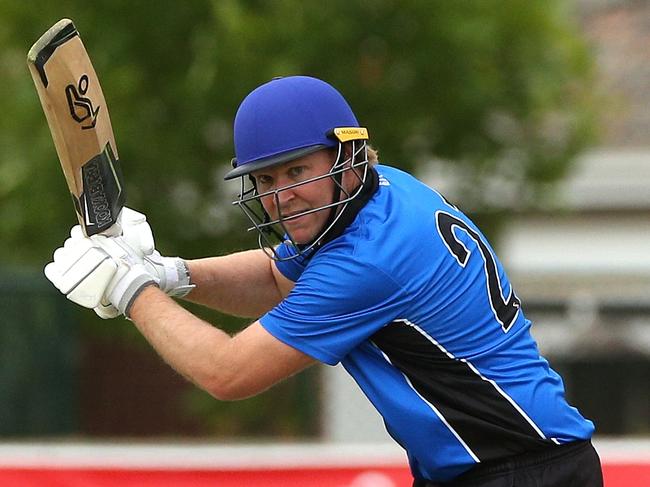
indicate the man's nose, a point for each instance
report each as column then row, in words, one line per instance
column 285, row 196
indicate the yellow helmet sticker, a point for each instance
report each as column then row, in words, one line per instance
column 345, row 134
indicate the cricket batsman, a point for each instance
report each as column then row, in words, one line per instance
column 359, row 264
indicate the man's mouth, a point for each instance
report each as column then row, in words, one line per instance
column 293, row 215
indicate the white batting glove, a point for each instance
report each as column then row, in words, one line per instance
column 134, row 228
column 80, row 270
column 98, row 272
column 171, row 273
column 84, row 268
column 130, row 278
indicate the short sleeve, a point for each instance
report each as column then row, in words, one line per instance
column 291, row 269
column 335, row 305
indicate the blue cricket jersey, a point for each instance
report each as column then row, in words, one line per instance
column 413, row 302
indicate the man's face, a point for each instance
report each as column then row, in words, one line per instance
column 300, row 198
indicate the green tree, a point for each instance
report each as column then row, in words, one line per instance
column 499, row 90
column 493, row 87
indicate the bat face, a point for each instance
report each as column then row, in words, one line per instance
column 77, row 115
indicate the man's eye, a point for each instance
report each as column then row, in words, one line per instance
column 296, row 171
column 263, row 180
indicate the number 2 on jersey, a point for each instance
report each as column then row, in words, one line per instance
column 505, row 311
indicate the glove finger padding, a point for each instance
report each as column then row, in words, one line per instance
column 136, row 231
column 76, row 233
column 72, row 247
column 81, row 272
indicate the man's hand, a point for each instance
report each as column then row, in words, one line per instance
column 130, row 278
column 80, row 270
column 87, row 270
column 99, row 272
column 171, row 273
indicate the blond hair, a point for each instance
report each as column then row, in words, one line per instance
column 373, row 156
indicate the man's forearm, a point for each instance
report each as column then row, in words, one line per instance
column 194, row 348
column 227, row 367
column 240, row 284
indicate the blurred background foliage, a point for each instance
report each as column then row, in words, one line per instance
column 492, row 88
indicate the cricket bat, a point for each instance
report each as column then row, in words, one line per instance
column 77, row 115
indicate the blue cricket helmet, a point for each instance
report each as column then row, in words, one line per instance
column 284, row 119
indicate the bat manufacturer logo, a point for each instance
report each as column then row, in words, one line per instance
column 103, row 195
column 81, row 107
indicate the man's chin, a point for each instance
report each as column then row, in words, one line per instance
column 301, row 237
column 303, row 230
column 301, row 240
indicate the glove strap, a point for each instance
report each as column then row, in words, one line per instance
column 132, row 291
column 182, row 279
